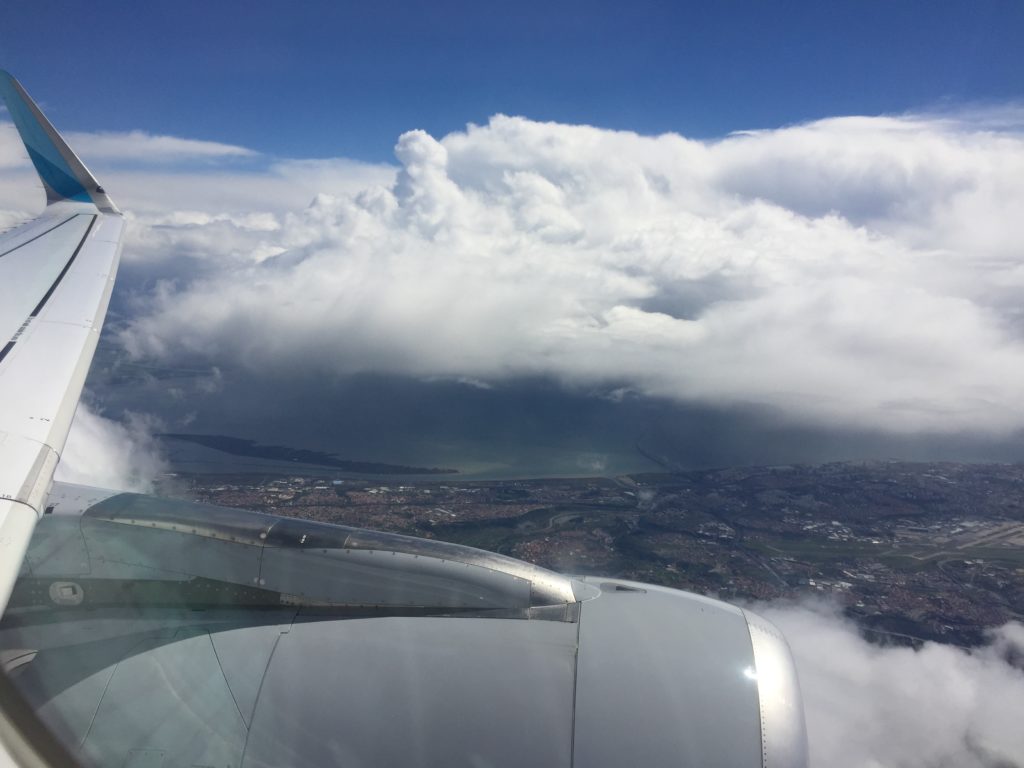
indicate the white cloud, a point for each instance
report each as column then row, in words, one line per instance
column 281, row 187
column 849, row 272
column 873, row 707
column 128, row 146
column 161, row 176
column 109, row 454
column 853, row 271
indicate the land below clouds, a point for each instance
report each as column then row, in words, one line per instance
column 912, row 551
column 236, row 446
column 514, row 428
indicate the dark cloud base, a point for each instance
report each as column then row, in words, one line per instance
column 526, row 427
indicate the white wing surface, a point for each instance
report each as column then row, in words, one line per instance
column 56, row 276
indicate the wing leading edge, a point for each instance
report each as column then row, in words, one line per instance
column 56, row 276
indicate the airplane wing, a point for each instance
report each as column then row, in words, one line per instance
column 56, row 275
column 155, row 632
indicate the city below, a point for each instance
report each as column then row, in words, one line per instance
column 913, row 552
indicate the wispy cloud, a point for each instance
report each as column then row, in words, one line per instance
column 138, row 146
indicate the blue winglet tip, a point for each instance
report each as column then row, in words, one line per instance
column 63, row 175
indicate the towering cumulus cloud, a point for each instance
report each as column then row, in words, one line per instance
column 853, row 271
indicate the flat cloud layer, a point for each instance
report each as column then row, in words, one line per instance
column 853, row 272
column 124, row 146
column 874, row 707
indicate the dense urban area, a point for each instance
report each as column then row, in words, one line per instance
column 913, row 551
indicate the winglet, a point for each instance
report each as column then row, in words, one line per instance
column 64, row 176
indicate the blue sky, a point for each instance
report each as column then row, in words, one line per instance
column 314, row 79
